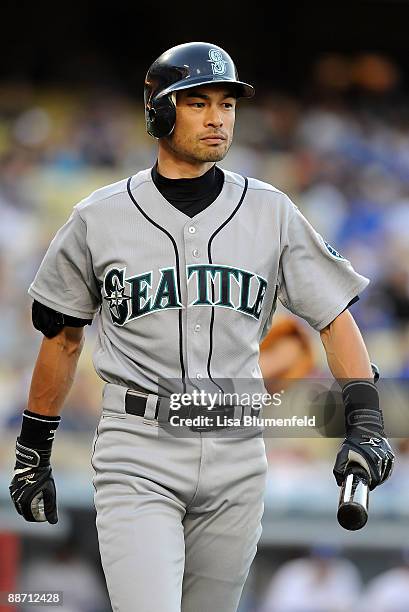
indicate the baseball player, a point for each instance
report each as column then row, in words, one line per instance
column 181, row 265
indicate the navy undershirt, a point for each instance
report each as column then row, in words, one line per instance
column 190, row 195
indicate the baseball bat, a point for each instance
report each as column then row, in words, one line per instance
column 354, row 498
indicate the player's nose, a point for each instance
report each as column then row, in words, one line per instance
column 214, row 117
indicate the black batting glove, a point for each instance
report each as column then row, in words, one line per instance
column 32, row 488
column 365, row 442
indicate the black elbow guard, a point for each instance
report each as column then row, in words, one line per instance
column 50, row 322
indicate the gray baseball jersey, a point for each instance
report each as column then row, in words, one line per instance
column 189, row 297
column 177, row 297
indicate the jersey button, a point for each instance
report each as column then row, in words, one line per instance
column 191, row 229
column 195, row 253
column 197, row 327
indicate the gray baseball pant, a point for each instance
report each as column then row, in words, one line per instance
column 178, row 519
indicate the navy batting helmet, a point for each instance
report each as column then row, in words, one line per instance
column 184, row 66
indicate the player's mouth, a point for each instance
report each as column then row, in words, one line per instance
column 213, row 139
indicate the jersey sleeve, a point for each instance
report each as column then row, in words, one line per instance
column 315, row 281
column 65, row 280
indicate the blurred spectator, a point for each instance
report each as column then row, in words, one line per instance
column 388, row 592
column 323, row 582
column 285, row 353
column 65, row 571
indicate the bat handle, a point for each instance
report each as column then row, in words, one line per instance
column 354, row 498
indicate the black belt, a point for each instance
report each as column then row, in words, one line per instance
column 136, row 405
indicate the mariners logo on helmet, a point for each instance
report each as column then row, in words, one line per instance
column 217, row 61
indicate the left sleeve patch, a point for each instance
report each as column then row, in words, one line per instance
column 333, row 251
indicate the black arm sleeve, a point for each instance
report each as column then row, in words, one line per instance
column 50, row 322
column 355, row 299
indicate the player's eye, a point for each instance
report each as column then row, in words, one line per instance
column 197, row 104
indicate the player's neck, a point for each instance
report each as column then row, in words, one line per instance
column 174, row 168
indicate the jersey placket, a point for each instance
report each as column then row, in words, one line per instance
column 196, row 317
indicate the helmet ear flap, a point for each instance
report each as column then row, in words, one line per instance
column 161, row 116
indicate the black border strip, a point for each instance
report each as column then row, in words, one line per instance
column 182, row 365
column 209, row 255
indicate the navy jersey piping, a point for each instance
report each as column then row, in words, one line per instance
column 162, row 229
column 209, row 255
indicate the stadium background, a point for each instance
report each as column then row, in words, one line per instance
column 330, row 126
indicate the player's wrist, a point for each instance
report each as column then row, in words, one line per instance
column 38, row 431
column 363, row 414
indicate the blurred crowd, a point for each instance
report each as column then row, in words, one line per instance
column 341, row 151
column 321, row 580
column 326, row 581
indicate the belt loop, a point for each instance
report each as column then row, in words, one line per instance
column 150, row 408
column 113, row 398
column 164, row 410
column 237, row 412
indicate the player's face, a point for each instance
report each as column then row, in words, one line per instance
column 204, row 123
